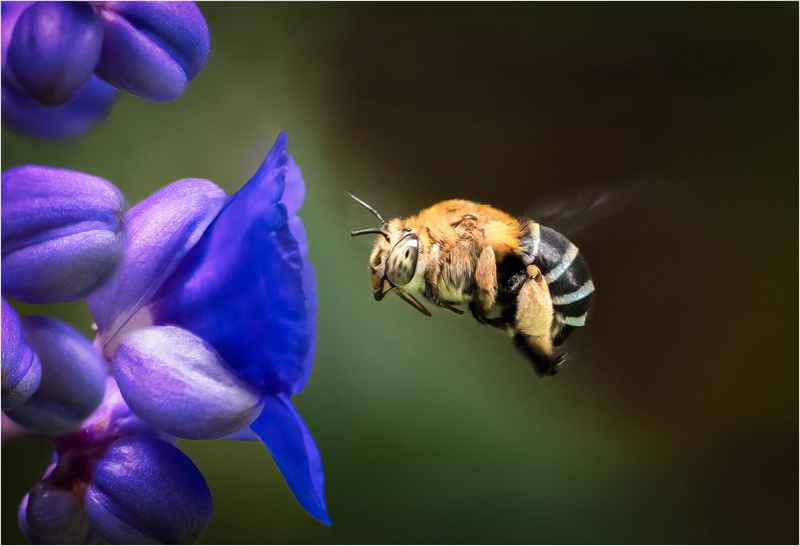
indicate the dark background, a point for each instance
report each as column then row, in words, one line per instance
column 675, row 420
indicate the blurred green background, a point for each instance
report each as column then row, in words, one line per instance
column 675, row 420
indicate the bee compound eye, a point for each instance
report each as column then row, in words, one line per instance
column 402, row 262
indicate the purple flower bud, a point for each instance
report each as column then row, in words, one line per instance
column 54, row 50
column 178, row 383
column 49, row 514
column 73, row 378
column 152, row 49
column 145, row 491
column 24, row 115
column 61, row 233
column 21, row 368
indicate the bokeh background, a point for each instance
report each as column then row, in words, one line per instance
column 675, row 420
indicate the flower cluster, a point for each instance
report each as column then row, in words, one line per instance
column 62, row 62
column 205, row 307
column 204, row 304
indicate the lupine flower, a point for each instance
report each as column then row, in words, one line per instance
column 209, row 320
column 58, row 56
column 62, row 233
column 208, row 323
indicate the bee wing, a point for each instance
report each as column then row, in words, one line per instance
column 574, row 212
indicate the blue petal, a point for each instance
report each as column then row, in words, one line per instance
column 21, row 368
column 54, row 50
column 241, row 288
column 292, row 448
column 73, row 378
column 61, row 233
column 27, row 117
column 146, row 491
column 152, row 49
column 310, row 288
column 177, row 383
column 160, row 231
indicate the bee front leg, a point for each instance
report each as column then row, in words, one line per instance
column 533, row 323
column 432, row 269
column 486, row 281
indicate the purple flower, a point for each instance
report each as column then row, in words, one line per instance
column 57, row 56
column 208, row 323
column 209, row 320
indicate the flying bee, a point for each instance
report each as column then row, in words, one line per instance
column 513, row 274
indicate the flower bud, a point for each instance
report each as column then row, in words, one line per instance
column 26, row 116
column 62, row 233
column 152, row 49
column 51, row 515
column 73, row 378
column 145, row 491
column 21, row 368
column 177, row 383
column 53, row 51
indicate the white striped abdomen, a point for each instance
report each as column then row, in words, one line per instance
column 565, row 271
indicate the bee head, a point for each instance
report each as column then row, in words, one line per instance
column 393, row 261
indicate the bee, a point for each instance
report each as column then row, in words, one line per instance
column 512, row 274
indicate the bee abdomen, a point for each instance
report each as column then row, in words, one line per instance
column 565, row 271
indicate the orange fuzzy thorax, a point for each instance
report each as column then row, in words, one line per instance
column 493, row 227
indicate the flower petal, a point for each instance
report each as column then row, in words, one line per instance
column 27, row 117
column 295, row 189
column 21, row 368
column 177, row 383
column 160, row 231
column 53, row 51
column 61, row 233
column 73, row 378
column 146, row 491
column 310, row 289
column 152, row 49
column 113, row 418
column 241, row 287
column 292, row 448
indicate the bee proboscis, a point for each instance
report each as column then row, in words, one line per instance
column 513, row 274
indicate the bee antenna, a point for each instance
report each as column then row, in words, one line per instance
column 366, row 206
column 379, row 231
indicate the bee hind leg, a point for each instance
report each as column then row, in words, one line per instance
column 544, row 362
column 533, row 323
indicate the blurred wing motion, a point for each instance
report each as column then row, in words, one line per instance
column 574, row 213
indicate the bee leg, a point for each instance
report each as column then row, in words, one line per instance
column 486, row 280
column 542, row 360
column 533, row 323
column 431, row 281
